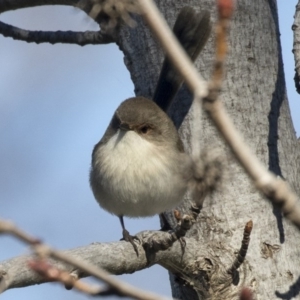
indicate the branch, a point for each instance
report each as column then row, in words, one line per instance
column 52, row 37
column 275, row 189
column 65, row 262
column 120, row 258
column 8, row 5
column 243, row 250
column 51, row 273
column 296, row 47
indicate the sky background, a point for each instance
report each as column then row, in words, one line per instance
column 55, row 103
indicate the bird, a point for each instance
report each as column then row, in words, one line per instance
column 139, row 167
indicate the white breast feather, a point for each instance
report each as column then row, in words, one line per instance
column 137, row 178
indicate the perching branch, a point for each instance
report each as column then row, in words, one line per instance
column 82, row 268
column 68, row 266
column 275, row 189
column 94, row 259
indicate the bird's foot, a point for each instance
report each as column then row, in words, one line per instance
column 184, row 223
column 182, row 242
column 130, row 238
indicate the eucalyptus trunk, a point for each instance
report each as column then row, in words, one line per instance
column 254, row 94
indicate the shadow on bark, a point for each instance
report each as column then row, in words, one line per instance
column 273, row 117
column 291, row 293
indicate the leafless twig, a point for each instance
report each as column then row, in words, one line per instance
column 54, row 37
column 110, row 12
column 243, row 250
column 51, row 273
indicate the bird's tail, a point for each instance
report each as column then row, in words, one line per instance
column 192, row 30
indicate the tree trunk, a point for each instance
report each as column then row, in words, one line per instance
column 254, row 94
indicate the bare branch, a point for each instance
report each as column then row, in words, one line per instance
column 244, row 247
column 54, row 37
column 83, row 267
column 10, row 228
column 51, row 273
column 119, row 258
column 113, row 12
column 276, row 190
column 7, row 5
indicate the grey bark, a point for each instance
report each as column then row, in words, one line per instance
column 15, row 272
column 255, row 96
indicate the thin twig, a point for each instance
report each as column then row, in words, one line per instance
column 276, row 190
column 42, row 250
column 243, row 250
column 51, row 273
column 10, row 228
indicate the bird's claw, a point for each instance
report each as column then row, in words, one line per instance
column 130, row 238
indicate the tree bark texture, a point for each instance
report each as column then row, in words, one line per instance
column 254, row 94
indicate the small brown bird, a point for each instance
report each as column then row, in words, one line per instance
column 139, row 167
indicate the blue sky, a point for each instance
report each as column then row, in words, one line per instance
column 55, row 103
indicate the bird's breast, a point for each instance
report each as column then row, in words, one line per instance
column 134, row 177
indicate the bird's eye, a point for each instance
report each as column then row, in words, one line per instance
column 144, row 129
